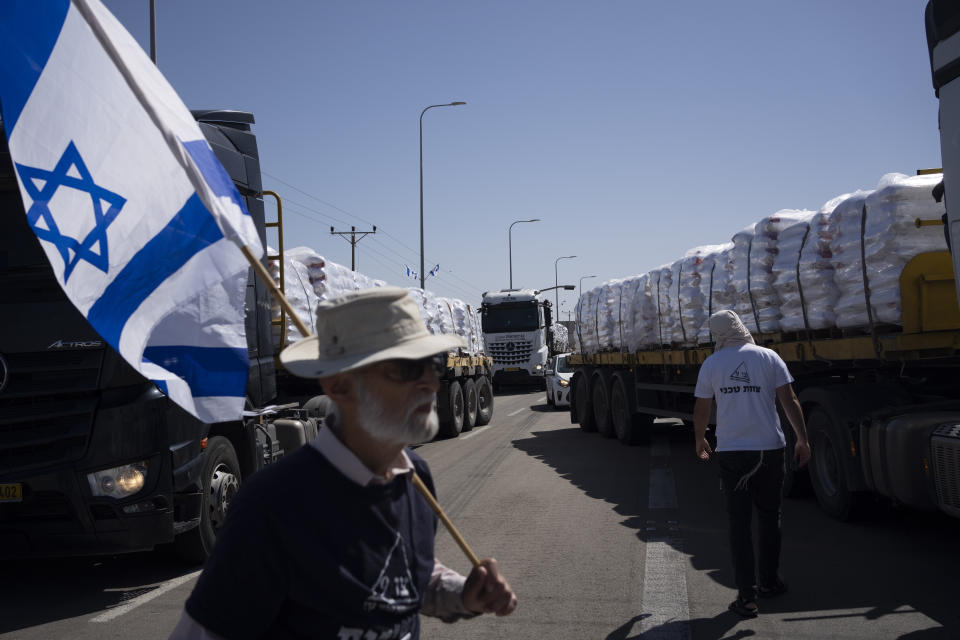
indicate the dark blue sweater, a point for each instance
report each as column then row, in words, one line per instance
column 306, row 553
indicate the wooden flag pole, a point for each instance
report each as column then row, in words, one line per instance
column 417, row 482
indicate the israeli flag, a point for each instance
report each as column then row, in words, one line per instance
column 138, row 219
column 435, row 270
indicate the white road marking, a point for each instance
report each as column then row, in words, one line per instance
column 665, row 598
column 510, row 415
column 130, row 605
column 475, row 431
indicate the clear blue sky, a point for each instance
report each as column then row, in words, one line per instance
column 635, row 130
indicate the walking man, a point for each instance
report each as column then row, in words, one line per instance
column 746, row 381
column 334, row 541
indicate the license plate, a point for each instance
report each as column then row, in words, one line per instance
column 511, row 369
column 11, row 492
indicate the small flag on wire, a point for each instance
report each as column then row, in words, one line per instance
column 411, row 273
column 435, row 270
column 137, row 217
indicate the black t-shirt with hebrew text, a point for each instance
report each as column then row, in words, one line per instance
column 306, row 553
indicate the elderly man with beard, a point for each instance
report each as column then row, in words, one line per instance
column 334, row 541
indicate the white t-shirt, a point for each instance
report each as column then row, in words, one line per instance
column 744, row 380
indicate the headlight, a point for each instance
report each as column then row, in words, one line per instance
column 564, row 383
column 118, row 482
column 539, row 367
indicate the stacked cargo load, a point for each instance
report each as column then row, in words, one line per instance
column 310, row 278
column 794, row 270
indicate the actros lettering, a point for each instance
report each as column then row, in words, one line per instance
column 76, row 344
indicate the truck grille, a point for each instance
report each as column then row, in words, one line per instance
column 47, row 407
column 945, row 444
column 510, row 353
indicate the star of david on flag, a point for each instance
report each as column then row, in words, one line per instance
column 41, row 185
column 139, row 221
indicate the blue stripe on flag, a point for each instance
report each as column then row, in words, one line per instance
column 28, row 32
column 191, row 231
column 162, row 385
column 213, row 172
column 209, row 371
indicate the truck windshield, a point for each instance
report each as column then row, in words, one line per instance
column 501, row 319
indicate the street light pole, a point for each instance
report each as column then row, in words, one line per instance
column 510, row 245
column 449, row 104
column 581, row 283
column 556, row 279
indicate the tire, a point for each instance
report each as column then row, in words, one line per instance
column 469, row 404
column 484, row 401
column 584, row 407
column 600, row 399
column 317, row 406
column 828, row 470
column 630, row 428
column 221, row 480
column 450, row 409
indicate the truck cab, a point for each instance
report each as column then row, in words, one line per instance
column 516, row 330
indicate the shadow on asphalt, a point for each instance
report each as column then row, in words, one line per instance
column 41, row 591
column 890, row 562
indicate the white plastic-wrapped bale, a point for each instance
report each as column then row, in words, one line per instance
column 891, row 237
column 561, row 340
column 850, row 308
column 790, row 243
column 811, row 304
column 661, row 281
column 889, row 240
column 722, row 292
column 609, row 315
column 694, row 290
column 711, row 269
column 756, row 298
column 587, row 329
column 641, row 314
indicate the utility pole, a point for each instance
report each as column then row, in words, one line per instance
column 353, row 240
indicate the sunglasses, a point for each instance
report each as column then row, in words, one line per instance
column 399, row 370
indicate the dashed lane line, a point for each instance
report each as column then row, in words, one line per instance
column 130, row 605
column 510, row 415
column 665, row 598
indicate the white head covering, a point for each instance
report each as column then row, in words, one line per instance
column 728, row 329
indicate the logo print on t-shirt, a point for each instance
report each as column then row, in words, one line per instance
column 394, row 590
column 740, row 373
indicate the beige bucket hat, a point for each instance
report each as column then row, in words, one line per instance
column 364, row 327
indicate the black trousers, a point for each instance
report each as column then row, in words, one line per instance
column 753, row 479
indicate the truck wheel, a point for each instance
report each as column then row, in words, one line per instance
column 600, row 398
column 828, row 473
column 584, row 407
column 631, row 429
column 469, row 404
column 318, row 406
column 450, row 409
column 484, row 401
column 221, row 481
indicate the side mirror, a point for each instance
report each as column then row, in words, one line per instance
column 548, row 372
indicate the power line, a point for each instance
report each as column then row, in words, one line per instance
column 386, row 233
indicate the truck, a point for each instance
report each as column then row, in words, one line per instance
column 881, row 401
column 94, row 458
column 517, row 331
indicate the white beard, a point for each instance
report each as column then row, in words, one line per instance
column 409, row 428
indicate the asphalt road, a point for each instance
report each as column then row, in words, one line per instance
column 598, row 540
